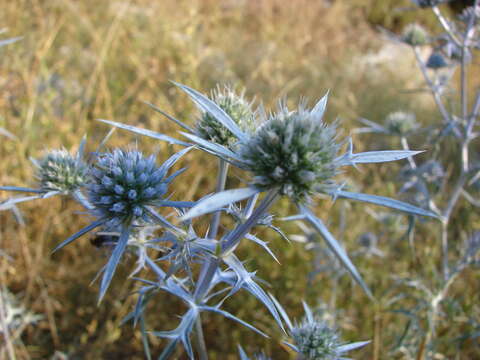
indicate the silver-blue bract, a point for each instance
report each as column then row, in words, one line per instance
column 124, row 183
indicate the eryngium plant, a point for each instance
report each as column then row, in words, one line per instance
column 58, row 170
column 314, row 339
column 239, row 110
column 58, row 173
column 294, row 151
column 401, row 123
column 124, row 185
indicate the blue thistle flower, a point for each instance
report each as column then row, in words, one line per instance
column 294, row 151
column 124, row 187
column 436, row 61
column 124, row 184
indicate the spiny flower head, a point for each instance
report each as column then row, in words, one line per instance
column 436, row 61
column 124, row 183
column 415, row 35
column 401, row 123
column 315, row 340
column 292, row 150
column 236, row 106
column 58, row 170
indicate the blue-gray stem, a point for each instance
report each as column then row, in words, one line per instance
column 221, row 180
column 210, row 266
column 233, row 238
column 230, row 242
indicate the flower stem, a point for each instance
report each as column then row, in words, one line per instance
column 221, row 180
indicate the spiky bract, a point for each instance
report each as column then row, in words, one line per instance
column 401, row 123
column 415, row 35
column 236, row 106
column 124, row 183
column 60, row 171
column 292, row 150
column 315, row 340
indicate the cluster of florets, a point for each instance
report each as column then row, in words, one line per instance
column 124, row 184
column 401, row 123
column 315, row 340
column 415, row 35
column 436, row 61
column 237, row 107
column 292, row 150
column 60, row 171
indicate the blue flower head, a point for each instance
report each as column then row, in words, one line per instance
column 436, row 61
column 124, row 183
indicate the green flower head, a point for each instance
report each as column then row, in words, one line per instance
column 293, row 150
column 58, row 170
column 415, row 35
column 236, row 106
column 315, row 340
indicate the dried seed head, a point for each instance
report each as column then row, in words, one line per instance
column 415, row 35
column 292, row 150
column 124, row 183
column 315, row 340
column 60, row 171
column 237, row 107
column 436, row 61
column 401, row 123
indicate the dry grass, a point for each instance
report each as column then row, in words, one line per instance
column 83, row 60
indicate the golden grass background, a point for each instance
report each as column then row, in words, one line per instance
column 84, row 60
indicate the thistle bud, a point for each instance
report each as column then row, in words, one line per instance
column 60, row 171
column 315, row 340
column 415, row 35
column 401, row 123
column 236, row 107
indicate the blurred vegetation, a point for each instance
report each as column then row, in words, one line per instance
column 84, row 60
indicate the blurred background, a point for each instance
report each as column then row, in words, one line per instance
column 83, row 60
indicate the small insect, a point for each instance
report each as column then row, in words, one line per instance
column 101, row 239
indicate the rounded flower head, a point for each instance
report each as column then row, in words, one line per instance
column 315, row 340
column 60, row 171
column 436, row 61
column 236, row 107
column 124, row 183
column 401, row 123
column 415, row 35
column 293, row 150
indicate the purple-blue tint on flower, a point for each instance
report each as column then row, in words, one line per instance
column 123, row 184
